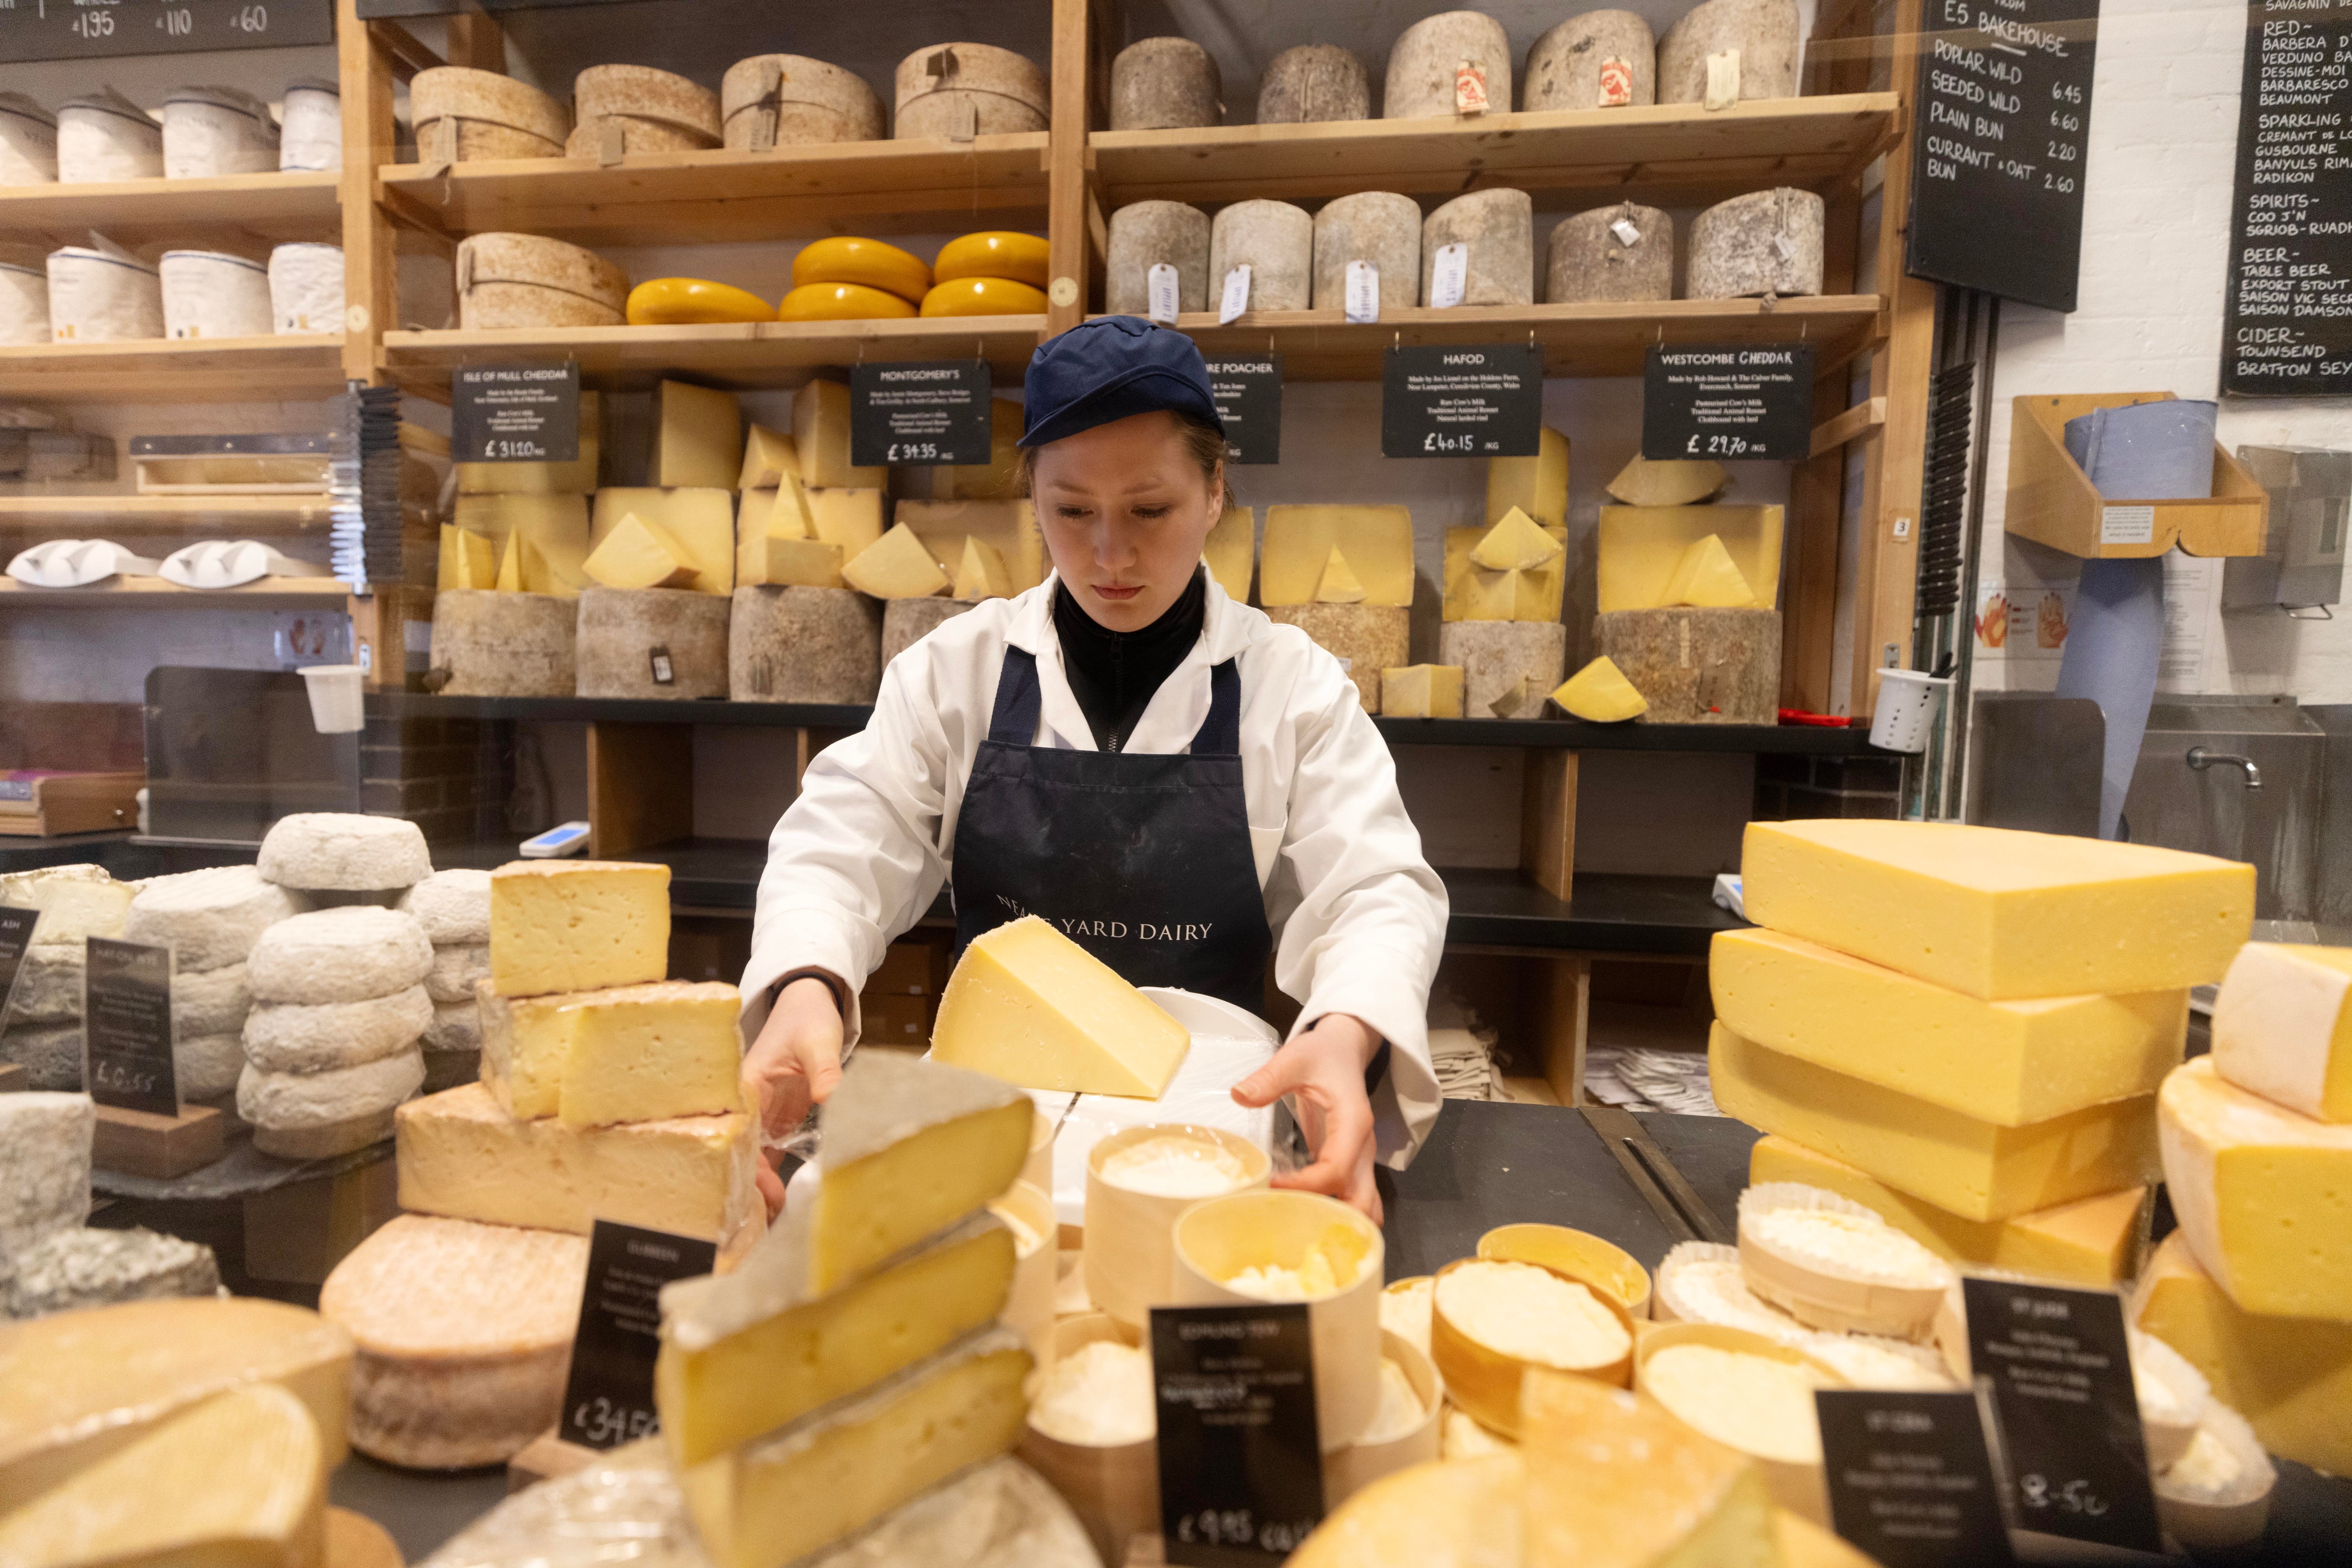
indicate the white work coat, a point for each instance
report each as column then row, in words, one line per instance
column 1358, row 918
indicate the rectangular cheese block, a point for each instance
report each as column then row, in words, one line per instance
column 1009, row 527
column 769, row 456
column 1422, row 691
column 2005, row 1063
column 1966, row 1167
column 2282, row 1027
column 1031, row 1007
column 640, row 1053
column 1474, row 594
column 2263, row 1194
column 842, row 1469
column 577, row 478
column 702, row 522
column 577, row 925
column 720, row 1390
column 2091, row 1241
column 982, row 573
column 526, row 1040
column 2291, row 1377
column 1640, row 547
column 1377, row 541
column 1231, row 551
column 1537, row 486
column 821, row 438
column 1997, row 913
column 697, row 437
column 789, row 563
column 896, row 566
column 852, row 518
column 463, row 1156
column 1615, row 1482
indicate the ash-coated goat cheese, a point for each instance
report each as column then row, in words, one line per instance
column 45, row 1141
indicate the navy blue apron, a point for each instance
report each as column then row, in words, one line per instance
column 1143, row 861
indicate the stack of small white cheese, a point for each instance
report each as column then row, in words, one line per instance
column 454, row 908
column 210, row 919
column 44, row 1025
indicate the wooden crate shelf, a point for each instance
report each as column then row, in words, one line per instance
column 273, row 206
column 1678, row 151
column 131, row 517
column 175, row 370
column 268, row 593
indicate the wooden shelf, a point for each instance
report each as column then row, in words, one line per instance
column 268, row 593
column 690, row 198
column 1576, row 340
column 1681, row 150
column 742, row 356
column 128, row 516
column 172, row 369
column 275, row 206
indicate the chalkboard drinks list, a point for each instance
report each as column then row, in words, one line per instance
column 2287, row 331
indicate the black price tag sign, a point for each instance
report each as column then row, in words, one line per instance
column 2062, row 1382
column 15, row 936
column 1997, row 165
column 608, row 1398
column 1249, row 399
column 1910, row 1479
column 127, row 1026
column 1241, row 1469
column 80, row 29
column 515, row 413
column 1728, row 403
column 920, row 410
column 1462, row 403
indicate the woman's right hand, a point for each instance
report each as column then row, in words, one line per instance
column 794, row 1064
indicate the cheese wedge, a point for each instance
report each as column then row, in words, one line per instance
column 1378, row 541
column 1536, row 485
column 1009, row 527
column 577, row 925
column 788, row 563
column 1458, row 1513
column 1614, row 1481
column 2263, row 1193
column 896, row 566
column 2282, row 1027
column 1673, row 482
column 768, row 457
column 999, row 478
column 1641, row 547
column 641, row 1053
column 526, row 1040
column 1339, row 584
column 1600, row 694
column 850, row 518
column 1706, row 576
column 1474, row 594
column 509, row 579
column 1031, row 1007
column 1515, row 544
column 1997, row 913
column 980, row 573
column 697, row 437
column 1422, row 691
column 820, row 439
column 467, row 559
column 636, row 554
column 1231, row 551
column 1969, row 1167
column 2009, row 1064
column 235, row 1482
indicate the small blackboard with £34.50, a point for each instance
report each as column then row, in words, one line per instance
column 608, row 1399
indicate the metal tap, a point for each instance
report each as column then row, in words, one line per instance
column 2200, row 757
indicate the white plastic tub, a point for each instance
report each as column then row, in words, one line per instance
column 310, row 140
column 103, row 297
column 103, row 136
column 211, row 294
column 213, row 130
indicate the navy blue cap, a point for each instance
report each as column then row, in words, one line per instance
column 1111, row 368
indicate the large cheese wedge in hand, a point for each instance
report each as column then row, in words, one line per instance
column 235, row 1482
column 1997, row 913
column 2291, row 1378
column 577, row 925
column 2263, row 1193
column 1455, row 1514
column 1614, row 1481
column 77, row 1386
column 2283, row 1027
column 1973, row 1168
column 2005, row 1063
column 1031, row 1007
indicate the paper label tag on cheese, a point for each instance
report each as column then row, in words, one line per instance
column 1159, row 289
column 1627, row 235
column 2126, row 525
column 1784, row 247
column 658, row 659
column 1723, row 80
column 1449, row 276
column 1236, row 296
column 1363, row 291
column 1616, row 83
column 1469, row 88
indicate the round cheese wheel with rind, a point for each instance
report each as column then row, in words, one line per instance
column 907, row 622
column 637, row 135
column 1498, row 657
column 344, row 851
column 1145, row 234
column 211, row 918
column 453, row 905
column 1164, row 84
column 644, row 93
column 207, row 1066
column 48, row 987
column 524, row 280
column 1276, row 241
column 1377, row 226
column 1766, row 241
column 1590, row 259
column 1565, row 64
column 795, row 644
column 1311, row 83
column 296, row 1100
column 458, row 966
column 211, row 1001
column 621, row 627
column 478, row 98
column 1424, row 61
column 325, row 1036
column 1763, row 31
column 1499, row 227
column 351, row 954
column 504, row 644
column 945, row 88
column 814, row 102
column 456, row 1026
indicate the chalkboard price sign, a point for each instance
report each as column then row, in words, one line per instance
column 97, row 29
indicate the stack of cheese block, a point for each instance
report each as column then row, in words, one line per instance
column 1503, row 646
column 941, row 558
column 50, row 1261
column 2255, row 1287
column 1343, row 575
column 852, row 278
column 454, row 909
column 211, row 920
column 511, row 570
column 43, row 1033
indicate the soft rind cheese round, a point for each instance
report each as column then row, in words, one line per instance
column 456, row 1026
column 207, row 1066
column 45, row 1157
column 458, row 967
column 1834, row 1264
column 50, row 1054
column 1531, row 1313
column 354, row 954
column 210, row 918
column 325, row 1036
column 211, row 1001
column 294, row 1101
column 344, row 851
column 1175, row 1167
column 1164, row 84
column 452, row 907
column 1755, row 1403
column 1098, row 1396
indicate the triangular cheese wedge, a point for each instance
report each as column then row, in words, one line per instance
column 768, row 457
column 789, row 563
column 1600, row 693
column 1516, row 544
column 1706, row 576
column 509, row 579
column 982, row 574
column 1339, row 584
column 1031, row 1007
column 896, row 566
column 636, row 554
column 1673, row 483
column 478, row 561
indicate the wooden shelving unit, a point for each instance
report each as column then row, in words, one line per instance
column 269, row 206
column 172, row 369
column 126, row 517
column 268, row 593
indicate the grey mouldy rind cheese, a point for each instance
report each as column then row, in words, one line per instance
column 456, row 1026
column 1763, row 31
column 50, row 1054
column 452, row 907
column 1767, row 242
column 1313, row 83
column 341, row 852
column 327, row 1037
column 1590, row 259
column 211, row 1001
column 1423, row 61
column 1164, row 84
column 504, row 644
column 349, row 954
column 296, row 1100
column 1565, row 64
column 1502, row 657
column 44, row 1143
column 69, row 1269
column 456, row 967
column 205, row 1066
column 211, row 919
column 1144, row 235
column 1377, row 226
column 1499, row 227
column 48, row 987
column 1696, row 665
column 805, row 645
column 907, row 622
column 623, row 628
column 1276, row 241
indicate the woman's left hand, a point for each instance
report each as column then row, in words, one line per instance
column 1324, row 1067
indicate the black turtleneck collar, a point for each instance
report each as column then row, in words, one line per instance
column 1114, row 673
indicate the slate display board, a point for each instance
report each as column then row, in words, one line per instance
column 1997, row 167
column 1241, row 1471
column 15, row 936
column 127, row 1026
column 1910, row 1479
column 920, row 410
column 515, row 413
column 1728, row 402
column 608, row 1397
column 1462, row 401
column 97, row 29
column 2287, row 326
column 1249, row 399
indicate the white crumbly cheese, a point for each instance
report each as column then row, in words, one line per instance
column 98, row 296
column 68, row 1270
column 344, row 851
column 2210, row 1465
column 1101, row 1396
column 1400, row 1410
column 348, row 955
column 48, row 986
column 1751, row 1402
column 1531, row 1313
column 1867, row 1361
column 207, row 1066
column 1862, row 1245
column 326, row 1036
column 73, row 907
column 45, row 1142
column 288, row 1100
column 28, row 142
column 306, row 289
column 452, row 907
column 1326, row 1270
column 310, row 137
column 24, row 302
column 211, row 1001
column 458, row 967
column 103, row 136
column 211, row 918
column 1404, row 1311
column 1174, row 1166
column 456, row 1026
column 213, row 130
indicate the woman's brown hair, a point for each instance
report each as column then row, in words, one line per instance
column 1204, row 443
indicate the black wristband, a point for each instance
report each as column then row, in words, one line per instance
column 831, row 982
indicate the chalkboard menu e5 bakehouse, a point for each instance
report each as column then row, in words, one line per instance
column 2288, row 319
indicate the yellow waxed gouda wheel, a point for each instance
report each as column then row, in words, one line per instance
column 841, row 302
column 984, row 297
column 690, row 301
column 994, row 253
column 845, row 258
